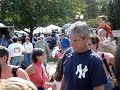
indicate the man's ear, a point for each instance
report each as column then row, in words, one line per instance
column 87, row 38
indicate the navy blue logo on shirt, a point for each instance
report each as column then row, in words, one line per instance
column 81, row 72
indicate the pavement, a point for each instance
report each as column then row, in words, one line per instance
column 51, row 68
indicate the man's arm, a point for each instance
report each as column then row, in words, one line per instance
column 62, row 84
column 99, row 87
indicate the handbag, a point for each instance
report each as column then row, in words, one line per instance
column 41, row 88
column 114, row 81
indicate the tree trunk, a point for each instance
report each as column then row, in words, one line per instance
column 31, row 33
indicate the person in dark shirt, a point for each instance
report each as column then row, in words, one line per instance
column 82, row 69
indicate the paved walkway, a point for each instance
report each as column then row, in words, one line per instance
column 51, row 68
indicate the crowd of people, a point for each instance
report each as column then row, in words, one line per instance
column 85, row 61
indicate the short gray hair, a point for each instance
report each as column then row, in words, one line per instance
column 79, row 28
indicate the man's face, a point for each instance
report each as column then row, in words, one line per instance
column 62, row 36
column 27, row 40
column 41, row 38
column 102, row 33
column 100, row 21
column 78, row 43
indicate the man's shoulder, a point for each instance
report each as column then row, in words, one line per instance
column 68, row 51
column 11, row 45
column 95, row 58
column 107, row 26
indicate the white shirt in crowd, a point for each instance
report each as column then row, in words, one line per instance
column 16, row 49
column 28, row 47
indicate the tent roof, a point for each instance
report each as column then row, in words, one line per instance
column 1, row 25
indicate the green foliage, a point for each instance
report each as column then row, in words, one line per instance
column 92, row 23
column 102, row 6
column 33, row 13
column 26, row 13
column 91, row 11
column 113, row 13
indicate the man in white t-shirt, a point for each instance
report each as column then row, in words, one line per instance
column 16, row 49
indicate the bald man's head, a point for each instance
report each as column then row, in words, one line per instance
column 102, row 32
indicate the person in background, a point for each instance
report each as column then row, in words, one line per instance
column 4, row 42
column 65, row 43
column 93, row 43
column 83, row 69
column 106, row 45
column 34, row 40
column 57, row 37
column 53, row 40
column 36, row 71
column 23, row 38
column 41, row 43
column 8, row 70
column 16, row 50
column 16, row 83
column 102, row 24
column 9, row 40
column 28, row 50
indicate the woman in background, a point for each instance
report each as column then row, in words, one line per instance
column 93, row 43
column 36, row 71
column 28, row 50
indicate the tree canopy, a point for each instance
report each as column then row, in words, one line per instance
column 32, row 13
column 113, row 13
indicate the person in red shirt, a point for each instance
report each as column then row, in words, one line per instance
column 102, row 24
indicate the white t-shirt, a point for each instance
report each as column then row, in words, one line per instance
column 16, row 49
column 28, row 47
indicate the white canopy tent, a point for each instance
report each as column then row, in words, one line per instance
column 39, row 30
column 47, row 29
column 2, row 25
column 52, row 27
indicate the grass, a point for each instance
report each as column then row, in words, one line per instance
column 50, row 59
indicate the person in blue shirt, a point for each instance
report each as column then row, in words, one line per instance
column 4, row 42
column 65, row 42
column 82, row 69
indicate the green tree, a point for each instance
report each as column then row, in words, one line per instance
column 102, row 6
column 91, row 10
column 113, row 13
column 33, row 13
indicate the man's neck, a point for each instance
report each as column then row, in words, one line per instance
column 83, row 50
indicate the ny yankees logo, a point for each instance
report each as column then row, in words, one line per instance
column 81, row 71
